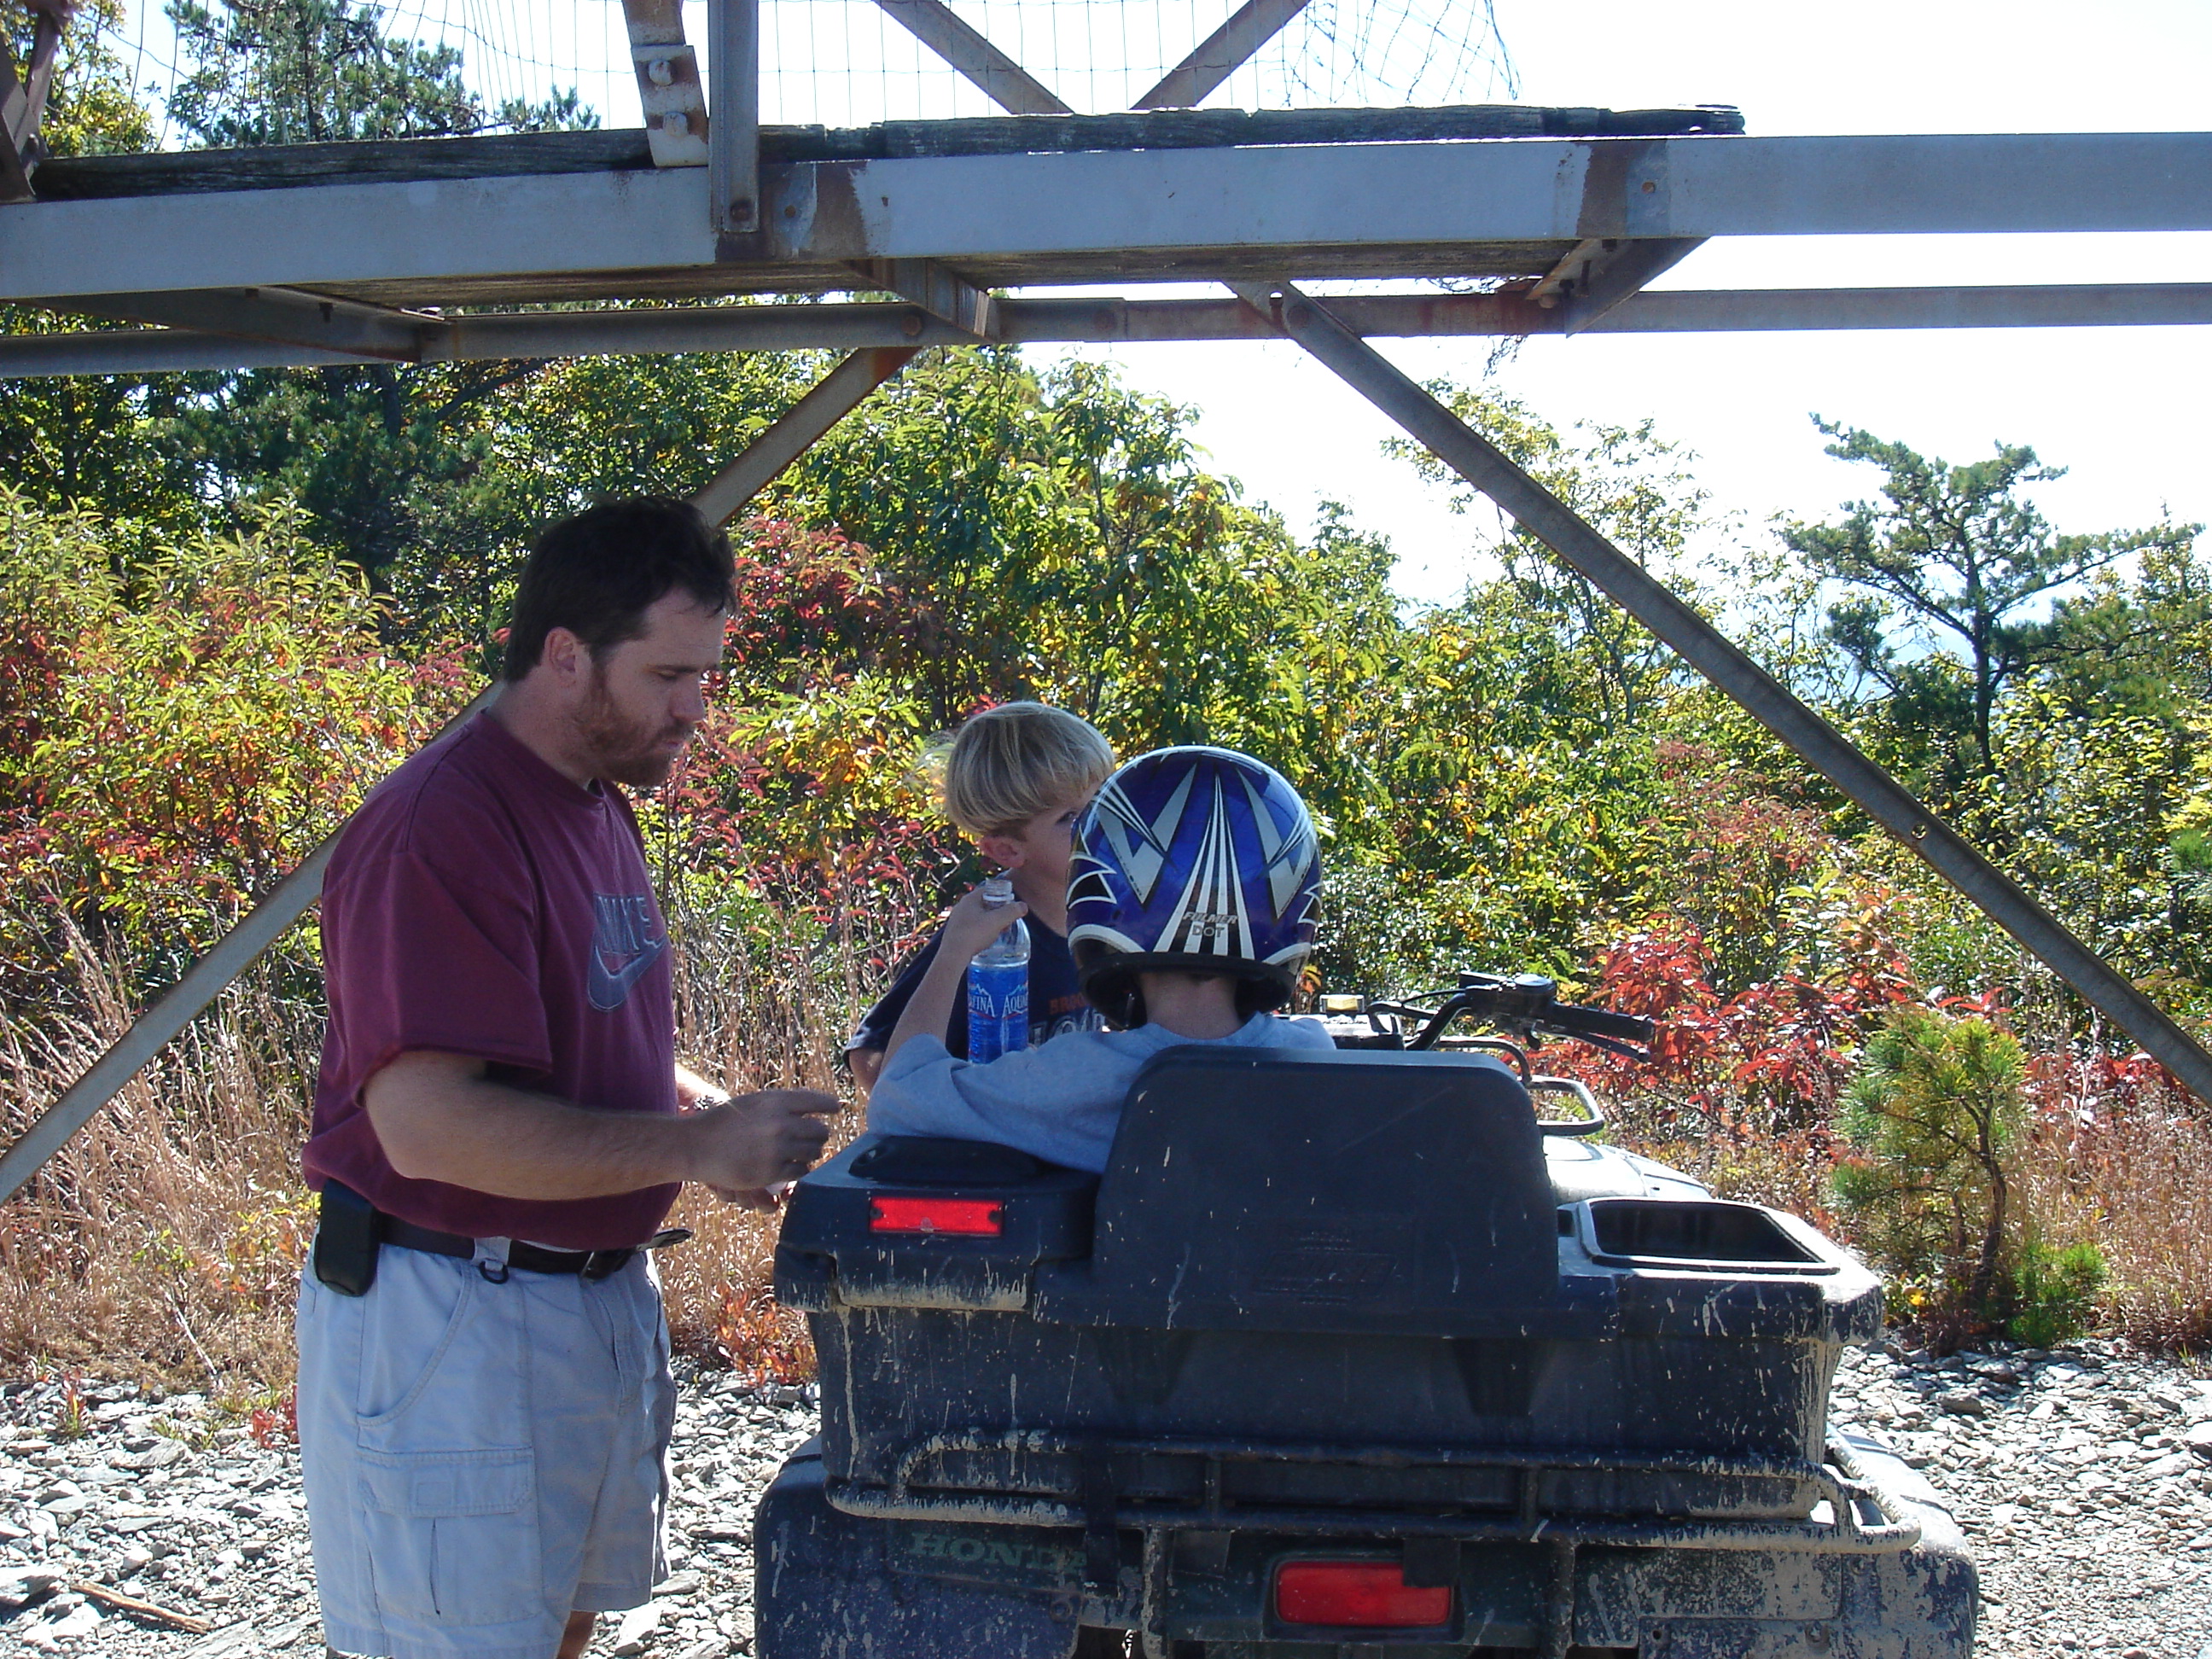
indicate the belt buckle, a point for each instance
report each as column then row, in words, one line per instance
column 603, row 1264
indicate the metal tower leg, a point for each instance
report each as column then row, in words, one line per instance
column 1483, row 465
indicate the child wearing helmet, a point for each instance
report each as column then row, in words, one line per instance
column 1017, row 778
column 1190, row 908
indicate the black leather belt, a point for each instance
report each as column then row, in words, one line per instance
column 586, row 1264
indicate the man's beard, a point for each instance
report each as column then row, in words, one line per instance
column 635, row 752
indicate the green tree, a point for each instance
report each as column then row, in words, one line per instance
column 181, row 729
column 90, row 108
column 96, row 439
column 314, row 72
column 1630, row 484
column 1951, row 567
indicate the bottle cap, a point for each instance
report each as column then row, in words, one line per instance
column 998, row 890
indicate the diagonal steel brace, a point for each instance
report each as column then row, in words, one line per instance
column 1544, row 516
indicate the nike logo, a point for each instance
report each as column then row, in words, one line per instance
column 623, row 933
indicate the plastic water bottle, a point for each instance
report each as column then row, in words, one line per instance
column 999, row 985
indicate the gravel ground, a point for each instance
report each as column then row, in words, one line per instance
column 2083, row 1477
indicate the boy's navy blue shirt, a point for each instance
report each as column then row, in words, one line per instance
column 1056, row 1003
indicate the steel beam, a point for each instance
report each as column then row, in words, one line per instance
column 775, row 448
column 1004, row 220
column 943, row 293
column 1603, row 272
column 998, row 76
column 1544, row 516
column 840, row 392
column 1221, row 54
column 480, row 338
column 669, row 93
column 280, row 315
column 23, row 106
column 733, row 169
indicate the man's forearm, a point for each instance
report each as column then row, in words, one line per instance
column 439, row 1117
column 508, row 1141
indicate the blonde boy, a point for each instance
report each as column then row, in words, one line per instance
column 1016, row 780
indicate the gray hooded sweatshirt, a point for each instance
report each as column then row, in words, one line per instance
column 1060, row 1100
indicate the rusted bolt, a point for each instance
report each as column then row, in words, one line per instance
column 790, row 212
column 1650, row 185
column 676, row 122
column 1816, row 1637
column 910, row 324
column 660, row 72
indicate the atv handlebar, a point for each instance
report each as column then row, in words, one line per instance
column 1599, row 1022
column 1526, row 1004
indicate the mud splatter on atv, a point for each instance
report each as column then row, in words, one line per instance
column 1342, row 1356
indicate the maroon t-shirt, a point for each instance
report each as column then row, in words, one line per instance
column 480, row 903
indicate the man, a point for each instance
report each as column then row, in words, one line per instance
column 484, row 1395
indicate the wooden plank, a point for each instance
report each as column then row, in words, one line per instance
column 1221, row 54
column 284, row 167
column 1001, row 80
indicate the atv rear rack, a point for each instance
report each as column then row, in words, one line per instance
column 1841, row 1481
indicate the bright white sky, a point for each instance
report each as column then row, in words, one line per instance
column 2125, row 410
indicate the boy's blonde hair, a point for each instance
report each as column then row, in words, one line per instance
column 1009, row 763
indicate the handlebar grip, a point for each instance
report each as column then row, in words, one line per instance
column 1599, row 1022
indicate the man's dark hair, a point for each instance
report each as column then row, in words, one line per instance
column 595, row 575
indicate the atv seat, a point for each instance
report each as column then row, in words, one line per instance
column 1255, row 1189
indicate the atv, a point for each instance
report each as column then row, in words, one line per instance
column 1347, row 1354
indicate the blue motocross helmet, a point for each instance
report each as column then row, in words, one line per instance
column 1195, row 859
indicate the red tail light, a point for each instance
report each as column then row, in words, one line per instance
column 1369, row 1595
column 974, row 1218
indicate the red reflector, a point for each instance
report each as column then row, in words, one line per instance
column 1367, row 1594
column 981, row 1218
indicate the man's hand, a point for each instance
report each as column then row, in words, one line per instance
column 752, row 1142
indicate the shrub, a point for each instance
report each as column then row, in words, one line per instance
column 1935, row 1107
column 2054, row 1292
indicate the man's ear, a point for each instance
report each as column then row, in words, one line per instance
column 567, row 657
column 1003, row 850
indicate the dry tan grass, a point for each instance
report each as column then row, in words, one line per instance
column 162, row 1242
column 2137, row 1184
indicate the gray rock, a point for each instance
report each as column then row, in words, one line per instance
column 637, row 1628
column 20, row 1588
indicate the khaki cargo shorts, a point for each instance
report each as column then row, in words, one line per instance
column 480, row 1457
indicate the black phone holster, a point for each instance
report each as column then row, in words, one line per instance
column 347, row 1241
